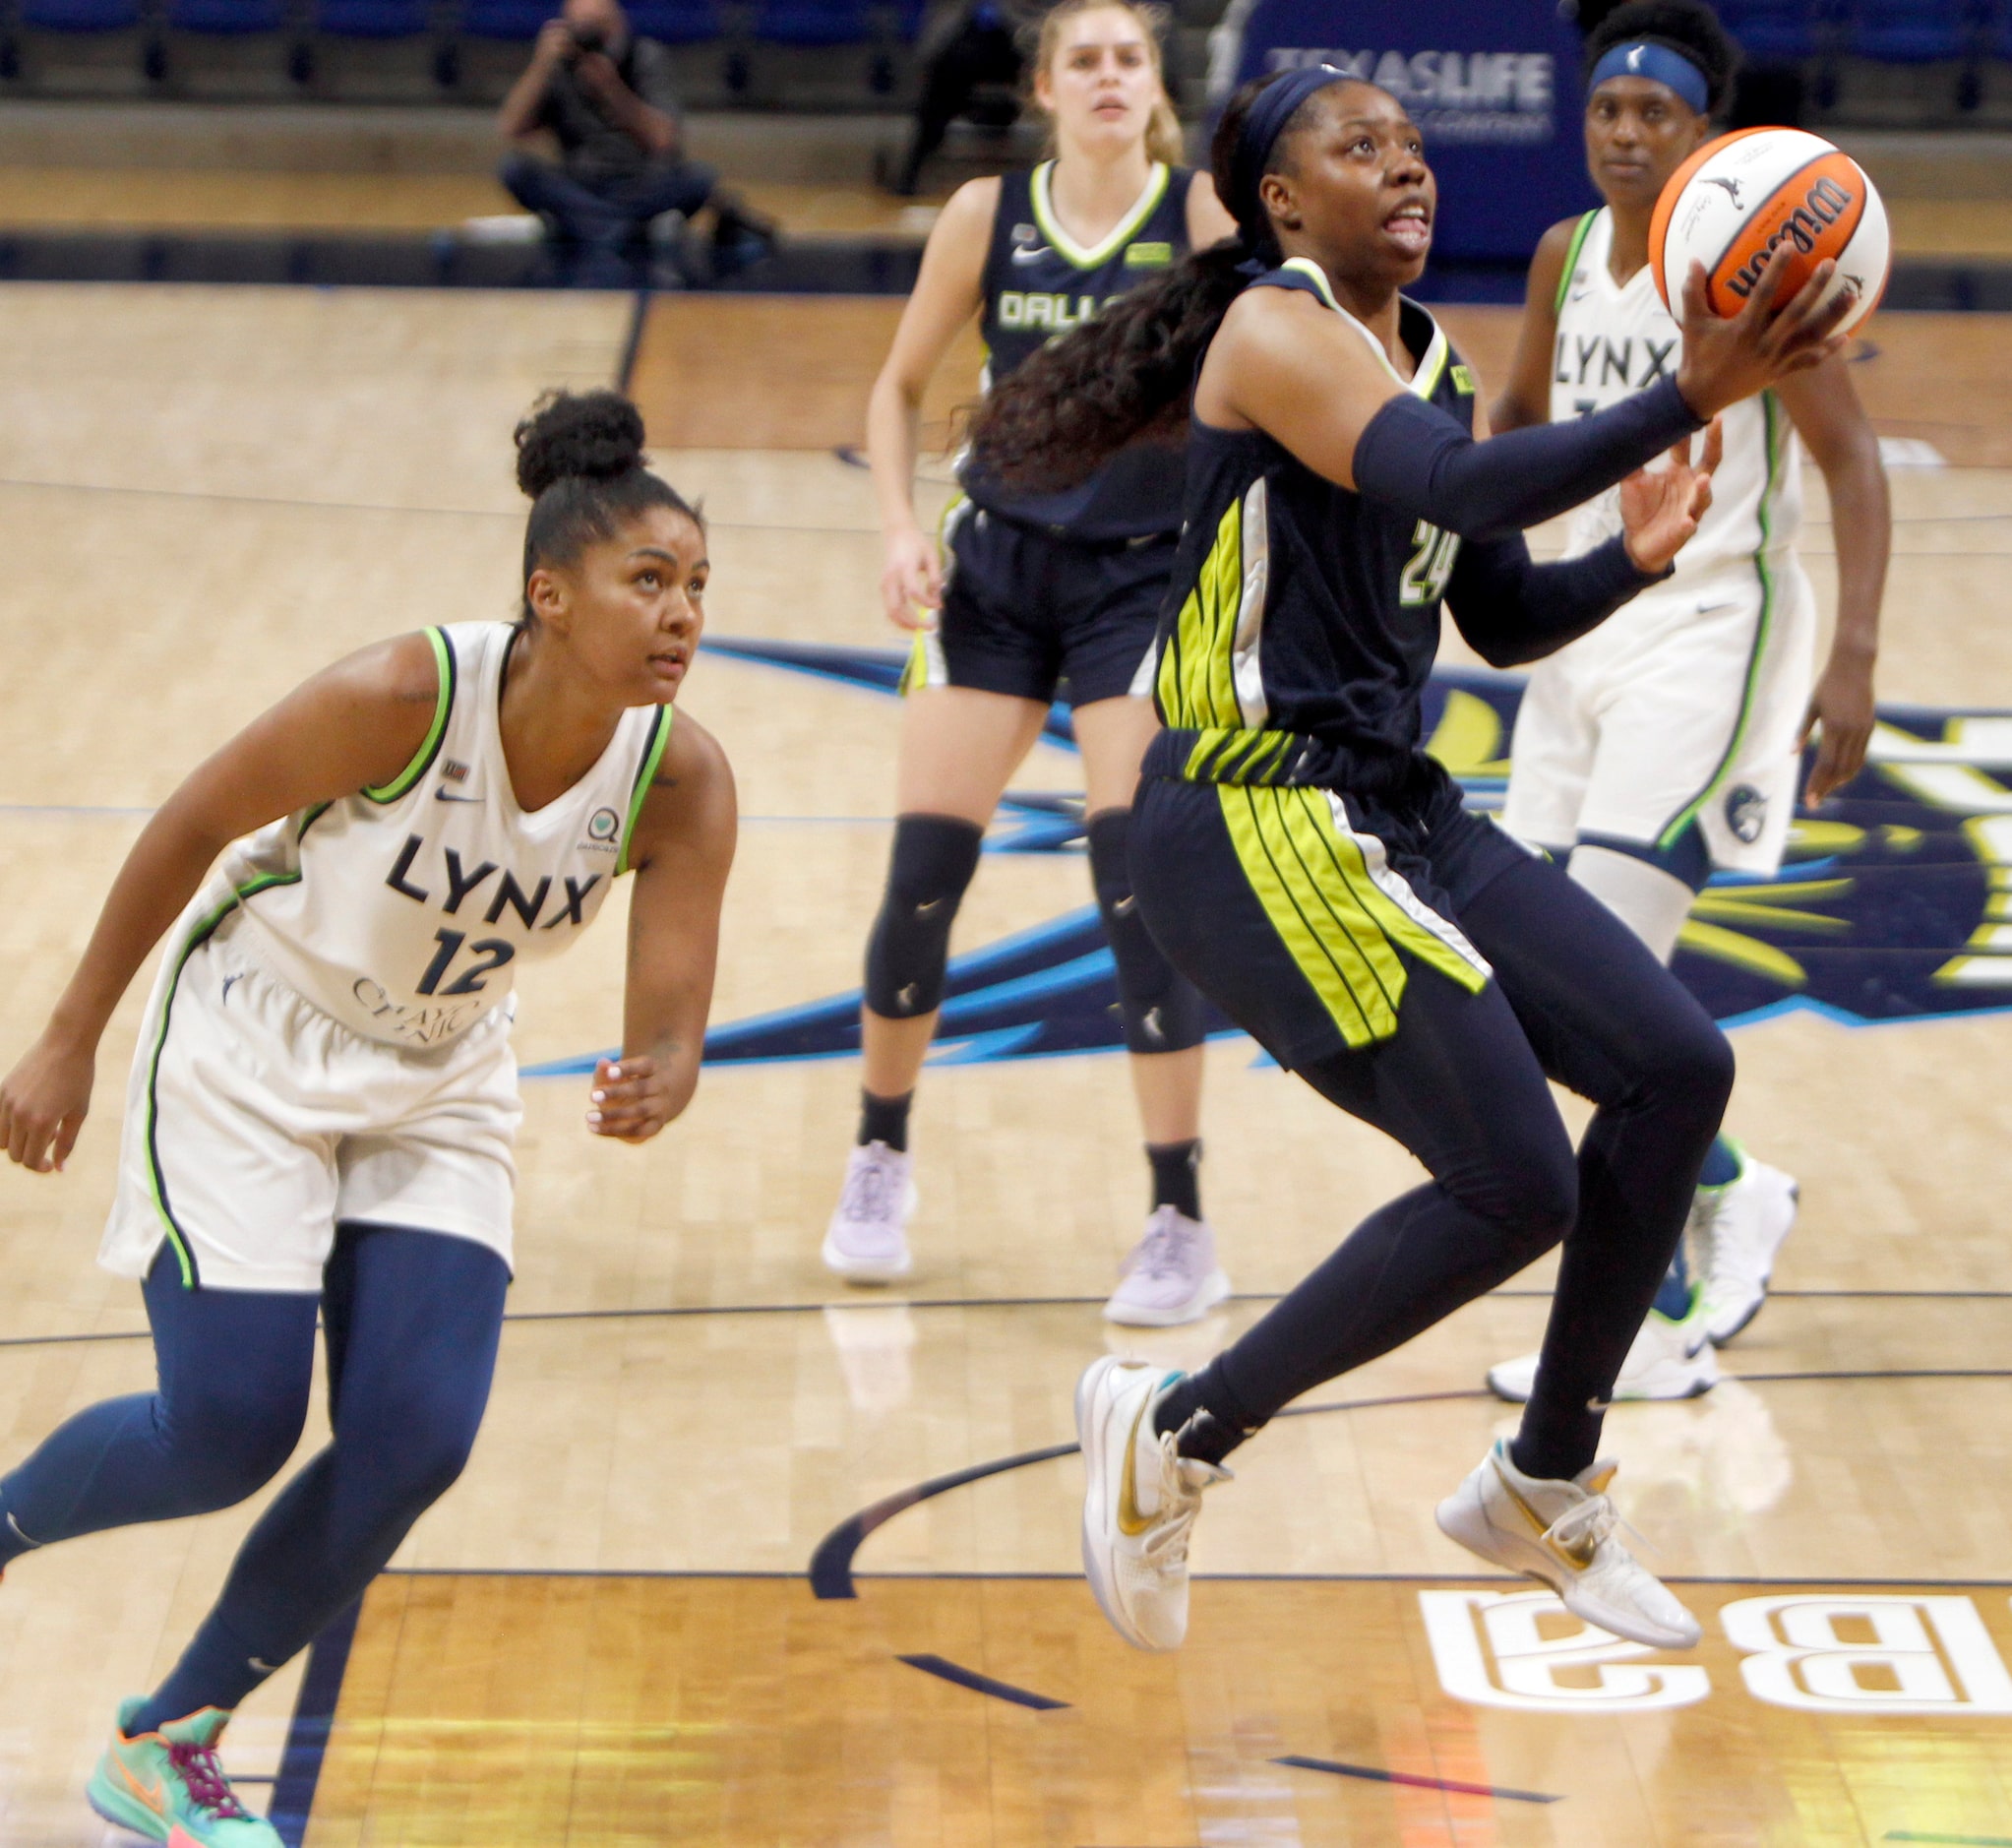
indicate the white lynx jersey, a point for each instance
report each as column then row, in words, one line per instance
column 1614, row 340
column 403, row 911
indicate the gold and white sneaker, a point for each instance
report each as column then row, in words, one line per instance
column 1563, row 1533
column 1140, row 1502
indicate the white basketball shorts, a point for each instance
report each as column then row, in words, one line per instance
column 1679, row 707
column 254, row 1122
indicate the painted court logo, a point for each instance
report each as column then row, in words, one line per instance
column 1889, row 904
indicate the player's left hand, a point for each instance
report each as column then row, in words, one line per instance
column 1660, row 508
column 1841, row 715
column 631, row 1102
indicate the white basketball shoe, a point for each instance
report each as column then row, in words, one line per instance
column 1740, row 1227
column 1669, row 1359
column 1563, row 1533
column 1171, row 1275
column 1141, row 1498
column 867, row 1241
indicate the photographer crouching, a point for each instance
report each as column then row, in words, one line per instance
column 605, row 97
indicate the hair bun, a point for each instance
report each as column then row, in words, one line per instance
column 597, row 434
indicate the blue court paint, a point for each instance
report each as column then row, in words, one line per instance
column 981, row 1684
column 307, row 1736
column 1376, row 1776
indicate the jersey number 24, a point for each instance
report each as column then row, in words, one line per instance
column 1433, row 553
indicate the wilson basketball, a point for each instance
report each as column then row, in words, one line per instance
column 1769, row 196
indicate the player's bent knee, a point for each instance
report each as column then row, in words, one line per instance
column 1161, row 1009
column 229, row 1447
column 928, row 872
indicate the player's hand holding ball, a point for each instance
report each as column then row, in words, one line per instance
column 1660, row 508
column 631, row 1102
column 1777, row 243
column 44, row 1100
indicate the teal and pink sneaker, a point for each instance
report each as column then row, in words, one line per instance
column 169, row 1786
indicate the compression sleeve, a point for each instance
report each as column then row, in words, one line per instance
column 1513, row 611
column 1414, row 455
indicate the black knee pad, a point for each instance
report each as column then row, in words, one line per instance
column 934, row 858
column 1162, row 1011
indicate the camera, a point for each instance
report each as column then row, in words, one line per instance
column 588, row 39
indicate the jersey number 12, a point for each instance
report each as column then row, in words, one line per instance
column 1431, row 563
column 492, row 953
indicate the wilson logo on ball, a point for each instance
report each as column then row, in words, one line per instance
column 1769, row 197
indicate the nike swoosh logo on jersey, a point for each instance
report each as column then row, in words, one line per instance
column 448, row 795
column 1711, row 609
column 1035, row 255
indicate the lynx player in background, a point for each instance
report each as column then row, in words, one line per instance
column 1033, row 591
column 321, row 1111
column 1667, row 743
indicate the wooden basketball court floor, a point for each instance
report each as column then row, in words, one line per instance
column 730, row 1564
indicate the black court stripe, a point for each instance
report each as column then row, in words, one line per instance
column 981, row 1684
column 1417, row 1782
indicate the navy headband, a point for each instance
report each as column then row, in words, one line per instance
column 1659, row 63
column 1276, row 105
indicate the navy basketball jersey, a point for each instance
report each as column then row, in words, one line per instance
column 1039, row 282
column 1302, row 620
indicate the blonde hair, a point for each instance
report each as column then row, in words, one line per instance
column 1165, row 141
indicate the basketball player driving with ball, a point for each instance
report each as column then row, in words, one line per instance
column 1666, row 744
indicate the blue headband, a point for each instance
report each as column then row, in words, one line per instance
column 1276, row 105
column 1660, row 64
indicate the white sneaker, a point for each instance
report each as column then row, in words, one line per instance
column 1140, row 1502
column 1741, row 1226
column 1563, row 1533
column 1171, row 1275
column 867, row 1241
column 1669, row 1360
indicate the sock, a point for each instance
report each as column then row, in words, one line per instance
column 1201, row 1408
column 216, row 1670
column 1673, row 1295
column 1723, row 1163
column 1177, row 1176
column 884, row 1119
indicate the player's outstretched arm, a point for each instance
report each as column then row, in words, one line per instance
column 949, row 289
column 681, row 852
column 356, row 724
column 1513, row 611
column 1824, row 407
column 1299, row 382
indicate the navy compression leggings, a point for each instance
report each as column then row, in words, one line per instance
column 412, row 1321
column 1577, row 998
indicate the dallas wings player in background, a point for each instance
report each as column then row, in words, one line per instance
column 1667, row 743
column 1037, row 588
column 323, row 1106
column 1302, row 859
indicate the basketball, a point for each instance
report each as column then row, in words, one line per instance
column 1765, row 196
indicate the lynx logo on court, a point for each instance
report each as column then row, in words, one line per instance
column 1523, row 1650
column 1868, row 1654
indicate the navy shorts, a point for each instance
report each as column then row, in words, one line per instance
column 1026, row 611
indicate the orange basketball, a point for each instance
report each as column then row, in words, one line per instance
column 1768, row 196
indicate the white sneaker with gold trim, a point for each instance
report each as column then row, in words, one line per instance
column 1563, row 1533
column 1140, row 1502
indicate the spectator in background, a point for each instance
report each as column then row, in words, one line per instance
column 606, row 98
column 964, row 45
